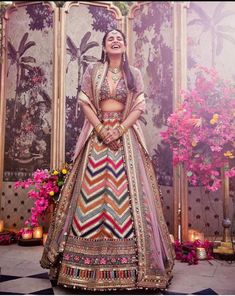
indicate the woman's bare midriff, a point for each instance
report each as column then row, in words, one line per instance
column 111, row 105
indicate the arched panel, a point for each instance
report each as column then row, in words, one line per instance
column 28, row 90
column 210, row 42
column 150, row 39
column 83, row 27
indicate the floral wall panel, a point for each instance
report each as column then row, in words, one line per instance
column 28, row 86
column 28, row 90
column 84, row 30
column 151, row 50
column 210, row 43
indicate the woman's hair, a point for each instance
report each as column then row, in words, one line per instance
column 126, row 67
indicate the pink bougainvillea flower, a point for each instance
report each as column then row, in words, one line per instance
column 201, row 132
column 46, row 186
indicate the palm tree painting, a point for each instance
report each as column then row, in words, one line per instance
column 213, row 24
column 28, row 125
column 78, row 54
column 16, row 56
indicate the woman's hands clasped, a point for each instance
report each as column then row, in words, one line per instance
column 110, row 137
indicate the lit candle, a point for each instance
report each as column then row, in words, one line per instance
column 1, row 225
column 27, row 234
column 195, row 235
column 191, row 235
column 37, row 232
column 44, row 238
column 199, row 236
column 201, row 253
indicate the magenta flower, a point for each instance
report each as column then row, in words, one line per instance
column 201, row 132
column 43, row 184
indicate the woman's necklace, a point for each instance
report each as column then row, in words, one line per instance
column 115, row 77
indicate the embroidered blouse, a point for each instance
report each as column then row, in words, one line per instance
column 120, row 93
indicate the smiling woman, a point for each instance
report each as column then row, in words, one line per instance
column 108, row 231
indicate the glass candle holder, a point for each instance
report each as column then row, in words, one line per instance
column 201, row 253
column 27, row 234
column 37, row 232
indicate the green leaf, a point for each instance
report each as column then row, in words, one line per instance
column 60, row 183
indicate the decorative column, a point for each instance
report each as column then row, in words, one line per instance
column 180, row 82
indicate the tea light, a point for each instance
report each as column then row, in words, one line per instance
column 37, row 232
column 44, row 238
column 195, row 235
column 1, row 225
column 199, row 236
column 201, row 253
column 27, row 234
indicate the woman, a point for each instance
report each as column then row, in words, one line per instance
column 108, row 230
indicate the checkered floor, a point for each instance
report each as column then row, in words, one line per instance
column 21, row 274
column 16, row 285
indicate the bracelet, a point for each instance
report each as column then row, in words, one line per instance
column 99, row 127
column 124, row 129
column 121, row 129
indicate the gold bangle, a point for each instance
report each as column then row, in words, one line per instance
column 121, row 129
column 124, row 129
column 99, row 127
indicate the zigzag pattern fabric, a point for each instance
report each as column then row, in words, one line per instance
column 103, row 207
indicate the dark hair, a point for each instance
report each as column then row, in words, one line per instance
column 126, row 67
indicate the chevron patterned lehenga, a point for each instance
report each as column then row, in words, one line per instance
column 101, row 244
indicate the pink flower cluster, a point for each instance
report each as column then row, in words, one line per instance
column 187, row 251
column 201, row 132
column 46, row 187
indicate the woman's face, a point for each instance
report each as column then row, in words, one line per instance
column 114, row 43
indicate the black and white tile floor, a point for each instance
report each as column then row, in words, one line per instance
column 21, row 274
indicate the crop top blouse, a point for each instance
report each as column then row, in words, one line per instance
column 120, row 93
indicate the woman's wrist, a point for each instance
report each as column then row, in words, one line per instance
column 99, row 127
column 121, row 129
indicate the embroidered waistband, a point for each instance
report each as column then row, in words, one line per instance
column 111, row 115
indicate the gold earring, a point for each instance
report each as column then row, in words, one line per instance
column 105, row 56
column 124, row 57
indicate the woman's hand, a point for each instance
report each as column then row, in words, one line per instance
column 103, row 133
column 114, row 145
column 112, row 135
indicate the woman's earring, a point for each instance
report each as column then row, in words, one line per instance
column 124, row 57
column 105, row 56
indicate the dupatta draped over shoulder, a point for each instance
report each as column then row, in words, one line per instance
column 154, row 248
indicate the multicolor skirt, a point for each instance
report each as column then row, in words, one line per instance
column 100, row 252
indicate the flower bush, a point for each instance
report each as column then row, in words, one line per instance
column 187, row 251
column 201, row 132
column 46, row 186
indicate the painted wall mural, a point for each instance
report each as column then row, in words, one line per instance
column 151, row 50
column 85, row 27
column 210, row 42
column 28, row 90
